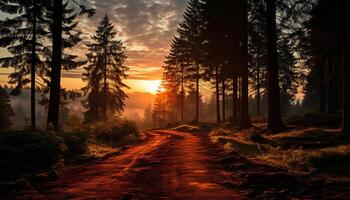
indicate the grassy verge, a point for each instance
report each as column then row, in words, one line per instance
column 311, row 152
column 24, row 153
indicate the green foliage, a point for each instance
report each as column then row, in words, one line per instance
column 116, row 134
column 76, row 143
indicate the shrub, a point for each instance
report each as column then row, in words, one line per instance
column 119, row 133
column 26, row 152
column 76, row 143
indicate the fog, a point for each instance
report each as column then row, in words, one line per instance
column 134, row 110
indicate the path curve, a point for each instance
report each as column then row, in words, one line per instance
column 169, row 165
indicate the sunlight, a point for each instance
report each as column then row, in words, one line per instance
column 150, row 86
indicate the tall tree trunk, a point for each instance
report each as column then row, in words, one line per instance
column 223, row 100
column 218, row 118
column 55, row 86
column 239, row 95
column 274, row 105
column 105, row 84
column 346, row 81
column 182, row 94
column 330, row 87
column 197, row 93
column 244, row 118
column 322, row 90
column 258, row 91
column 234, row 101
column 33, row 68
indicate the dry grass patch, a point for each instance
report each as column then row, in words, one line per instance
column 330, row 163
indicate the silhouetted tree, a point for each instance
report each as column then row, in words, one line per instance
column 244, row 115
column 274, row 110
column 104, row 73
column 56, row 66
column 24, row 36
column 346, row 74
column 321, row 47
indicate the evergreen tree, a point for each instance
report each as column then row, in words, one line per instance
column 24, row 37
column 346, row 74
column 321, row 47
column 159, row 110
column 274, row 111
column 56, row 64
column 104, row 73
column 190, row 31
column 6, row 111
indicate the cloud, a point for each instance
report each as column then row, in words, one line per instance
column 145, row 26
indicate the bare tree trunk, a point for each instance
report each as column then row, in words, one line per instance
column 274, row 105
column 322, row 90
column 55, row 86
column 223, row 100
column 331, row 103
column 33, row 69
column 239, row 92
column 182, row 95
column 105, row 84
column 234, row 102
column 258, row 91
column 197, row 93
column 346, row 81
column 244, row 118
column 218, row 118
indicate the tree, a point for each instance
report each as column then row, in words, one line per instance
column 244, row 116
column 147, row 116
column 190, row 31
column 55, row 74
column 321, row 47
column 104, row 73
column 24, row 35
column 346, row 82
column 186, row 50
column 159, row 109
column 274, row 110
column 6, row 111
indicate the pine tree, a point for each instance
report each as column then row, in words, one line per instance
column 57, row 57
column 6, row 111
column 274, row 111
column 190, row 30
column 104, row 73
column 24, row 36
column 176, row 66
column 346, row 73
column 159, row 110
column 244, row 115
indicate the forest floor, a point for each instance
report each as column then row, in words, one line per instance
column 177, row 165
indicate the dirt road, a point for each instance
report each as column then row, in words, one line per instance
column 169, row 165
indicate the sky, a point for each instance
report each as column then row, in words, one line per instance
column 145, row 26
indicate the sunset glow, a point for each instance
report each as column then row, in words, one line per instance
column 150, row 86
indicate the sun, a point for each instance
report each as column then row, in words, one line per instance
column 153, row 86
column 150, row 86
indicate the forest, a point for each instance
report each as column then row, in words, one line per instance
column 251, row 100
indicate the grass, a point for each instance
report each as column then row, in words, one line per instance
column 26, row 152
column 193, row 128
column 330, row 163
